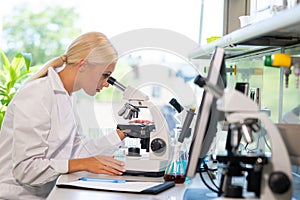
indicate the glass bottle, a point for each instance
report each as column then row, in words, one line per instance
column 175, row 170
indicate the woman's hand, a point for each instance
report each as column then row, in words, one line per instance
column 98, row 165
column 142, row 121
column 121, row 134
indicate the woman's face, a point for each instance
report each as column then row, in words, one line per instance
column 104, row 77
column 93, row 78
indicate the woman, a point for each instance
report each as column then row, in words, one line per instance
column 40, row 136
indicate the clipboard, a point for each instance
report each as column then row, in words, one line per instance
column 157, row 188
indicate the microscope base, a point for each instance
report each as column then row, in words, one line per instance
column 147, row 174
column 197, row 193
column 139, row 166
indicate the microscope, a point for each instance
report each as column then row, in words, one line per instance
column 267, row 176
column 154, row 137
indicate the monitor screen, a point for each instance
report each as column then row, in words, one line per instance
column 208, row 116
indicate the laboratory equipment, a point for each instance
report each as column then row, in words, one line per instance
column 286, row 61
column 242, row 87
column 154, row 137
column 179, row 108
column 268, row 177
column 205, row 129
column 176, row 168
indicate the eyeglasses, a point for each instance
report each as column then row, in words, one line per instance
column 106, row 75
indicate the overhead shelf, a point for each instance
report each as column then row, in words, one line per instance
column 280, row 30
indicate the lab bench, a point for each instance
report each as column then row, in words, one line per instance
column 175, row 193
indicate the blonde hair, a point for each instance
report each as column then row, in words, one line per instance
column 93, row 46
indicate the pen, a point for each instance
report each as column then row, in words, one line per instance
column 102, row 180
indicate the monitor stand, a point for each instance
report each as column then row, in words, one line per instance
column 198, row 193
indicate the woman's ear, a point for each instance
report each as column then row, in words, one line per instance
column 81, row 65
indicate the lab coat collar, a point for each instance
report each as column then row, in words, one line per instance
column 55, row 81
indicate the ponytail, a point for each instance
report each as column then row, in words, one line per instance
column 55, row 63
column 93, row 46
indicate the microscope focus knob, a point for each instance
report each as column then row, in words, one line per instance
column 158, row 145
column 279, row 182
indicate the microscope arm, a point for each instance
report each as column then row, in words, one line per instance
column 279, row 162
column 277, row 174
column 159, row 138
column 239, row 108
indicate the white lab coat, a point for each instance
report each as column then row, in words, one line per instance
column 39, row 134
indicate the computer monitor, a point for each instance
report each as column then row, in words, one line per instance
column 208, row 116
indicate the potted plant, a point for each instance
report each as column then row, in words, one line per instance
column 12, row 75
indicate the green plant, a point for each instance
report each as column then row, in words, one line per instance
column 12, row 75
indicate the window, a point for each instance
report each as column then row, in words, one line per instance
column 160, row 73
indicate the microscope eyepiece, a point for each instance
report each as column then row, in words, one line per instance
column 111, row 80
column 176, row 105
column 200, row 81
column 203, row 83
column 114, row 82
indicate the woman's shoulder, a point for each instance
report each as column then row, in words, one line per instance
column 38, row 89
column 33, row 96
column 38, row 86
